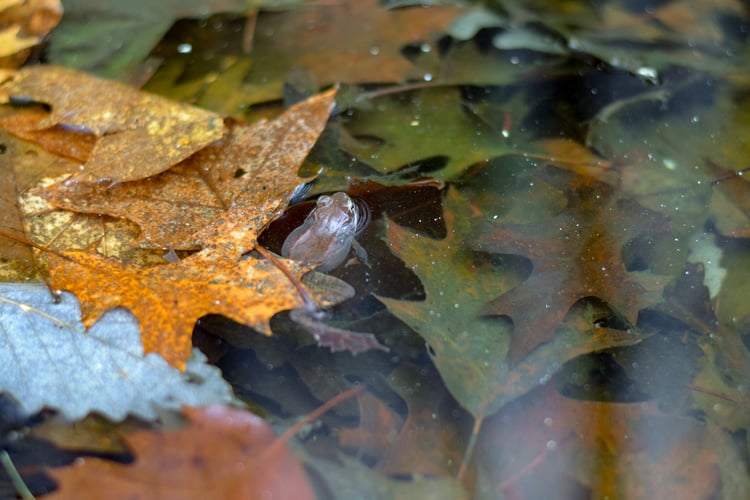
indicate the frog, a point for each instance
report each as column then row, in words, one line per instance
column 326, row 237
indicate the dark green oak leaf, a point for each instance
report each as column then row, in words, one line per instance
column 430, row 124
column 469, row 349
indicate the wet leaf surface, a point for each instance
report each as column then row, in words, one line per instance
column 138, row 135
column 573, row 256
column 132, row 29
column 48, row 361
column 251, row 165
column 371, row 39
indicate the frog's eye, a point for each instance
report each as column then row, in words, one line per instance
column 324, row 201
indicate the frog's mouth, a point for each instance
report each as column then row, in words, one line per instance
column 363, row 214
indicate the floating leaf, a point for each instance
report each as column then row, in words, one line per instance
column 47, row 359
column 139, row 134
column 167, row 299
column 252, row 165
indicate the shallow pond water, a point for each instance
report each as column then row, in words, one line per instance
column 557, row 251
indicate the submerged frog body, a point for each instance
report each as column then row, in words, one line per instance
column 327, row 235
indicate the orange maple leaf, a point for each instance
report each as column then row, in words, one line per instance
column 169, row 299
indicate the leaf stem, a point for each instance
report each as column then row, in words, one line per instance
column 309, row 303
column 469, row 452
column 15, row 477
column 316, row 413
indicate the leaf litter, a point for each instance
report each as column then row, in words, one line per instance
column 633, row 202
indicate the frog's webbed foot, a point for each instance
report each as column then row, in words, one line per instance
column 336, row 339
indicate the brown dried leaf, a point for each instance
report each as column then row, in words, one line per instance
column 139, row 134
column 60, row 229
column 168, row 299
column 16, row 259
column 251, row 165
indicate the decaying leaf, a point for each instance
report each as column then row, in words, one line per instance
column 253, row 164
column 139, row 134
column 47, row 359
column 169, row 298
column 560, row 445
column 431, row 125
column 352, row 479
column 130, row 28
column 31, row 167
column 466, row 347
column 16, row 258
column 222, row 453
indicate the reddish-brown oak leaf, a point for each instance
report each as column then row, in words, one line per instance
column 138, row 134
column 252, row 165
column 223, row 453
column 574, row 255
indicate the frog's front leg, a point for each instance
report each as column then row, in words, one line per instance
column 361, row 253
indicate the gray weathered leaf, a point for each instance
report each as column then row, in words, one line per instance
column 47, row 359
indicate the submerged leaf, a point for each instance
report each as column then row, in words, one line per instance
column 575, row 255
column 222, row 453
column 349, row 41
column 130, row 28
column 431, row 125
column 470, row 349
